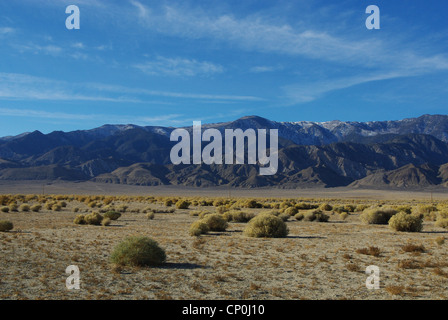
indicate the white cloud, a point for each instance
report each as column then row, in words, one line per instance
column 6, row 31
column 307, row 92
column 179, row 67
column 15, row 86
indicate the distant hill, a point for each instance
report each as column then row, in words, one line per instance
column 409, row 153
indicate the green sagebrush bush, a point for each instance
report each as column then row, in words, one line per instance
column 215, row 222
column 198, row 227
column 93, row 218
column 138, row 251
column 377, row 215
column 316, row 215
column 112, row 215
column 6, row 226
column 266, row 225
column 403, row 221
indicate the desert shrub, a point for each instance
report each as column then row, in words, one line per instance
column 76, row 209
column 195, row 213
column 112, row 215
column 122, row 208
column 406, row 222
column 105, row 222
column 343, row 215
column 24, row 207
column 198, row 227
column 80, row 219
column 182, row 204
column 168, row 203
column 325, row 207
column 138, row 251
column 442, row 223
column 252, row 204
column 6, row 226
column 377, row 215
column 274, row 212
column 349, row 208
column 361, row 207
column 202, row 214
column 4, row 209
column 303, row 206
column 291, row 211
column 36, row 208
column 91, row 204
column 316, row 215
column 48, row 205
column 56, row 207
column 221, row 209
column 13, row 207
column 340, row 209
column 63, row 204
column 299, row 216
column 240, row 216
column 426, row 208
column 266, row 225
column 407, row 209
column 284, row 216
column 93, row 218
column 215, row 222
column 150, row 215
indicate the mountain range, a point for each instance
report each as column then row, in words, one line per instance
column 409, row 153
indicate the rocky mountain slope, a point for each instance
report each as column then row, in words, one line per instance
column 409, row 153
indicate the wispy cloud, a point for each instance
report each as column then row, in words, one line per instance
column 263, row 69
column 21, row 86
column 6, row 31
column 259, row 34
column 307, row 92
column 179, row 67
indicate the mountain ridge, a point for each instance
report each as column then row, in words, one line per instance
column 408, row 153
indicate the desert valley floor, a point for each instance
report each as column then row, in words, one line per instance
column 317, row 260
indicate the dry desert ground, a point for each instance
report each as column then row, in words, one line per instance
column 316, row 260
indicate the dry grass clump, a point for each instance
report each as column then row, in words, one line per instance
column 6, row 226
column 138, row 251
column 371, row 251
column 93, row 218
column 105, row 222
column 198, row 227
column 4, row 209
column 377, row 215
column 150, row 215
column 299, row 216
column 406, row 222
column 439, row 240
column 291, row 211
column 112, row 215
column 215, row 222
column 284, row 216
column 316, row 215
column 266, row 225
column 395, row 290
column 442, row 219
column 410, row 247
column 182, row 204
column 36, row 208
column 24, row 207
column 326, row 207
column 239, row 216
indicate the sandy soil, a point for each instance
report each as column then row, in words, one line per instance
column 316, row 260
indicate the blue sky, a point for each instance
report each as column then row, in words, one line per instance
column 171, row 62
